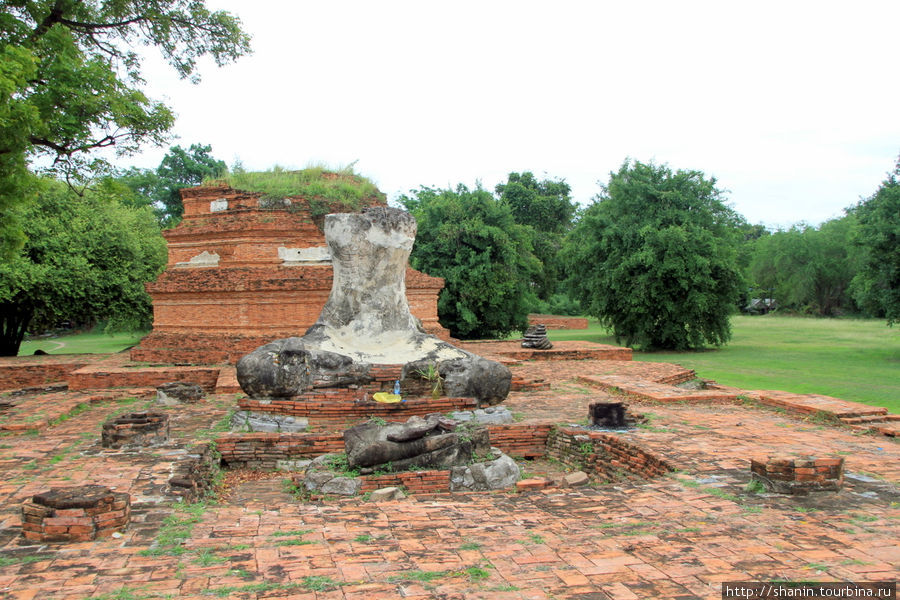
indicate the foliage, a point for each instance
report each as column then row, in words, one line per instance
column 179, row 169
column 70, row 82
column 808, row 269
column 746, row 249
column 432, row 376
column 557, row 304
column 877, row 284
column 340, row 463
column 87, row 258
column 485, row 257
column 545, row 206
column 655, row 258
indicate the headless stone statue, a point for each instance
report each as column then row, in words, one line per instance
column 367, row 321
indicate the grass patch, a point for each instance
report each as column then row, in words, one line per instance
column 311, row 583
column 82, row 343
column 294, row 542
column 294, row 533
column 8, row 561
column 533, row 538
column 421, row 576
column 755, row 486
column 176, row 529
column 206, row 558
column 325, row 189
column 504, row 588
column 127, row 593
column 477, row 573
column 851, row 359
column 77, row 410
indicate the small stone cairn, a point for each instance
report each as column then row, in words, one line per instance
column 536, row 337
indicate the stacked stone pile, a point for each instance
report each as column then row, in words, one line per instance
column 536, row 337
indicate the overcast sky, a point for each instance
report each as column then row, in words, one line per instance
column 792, row 106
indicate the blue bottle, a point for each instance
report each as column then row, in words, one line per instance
column 397, row 387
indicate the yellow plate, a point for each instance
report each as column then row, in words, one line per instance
column 386, row 398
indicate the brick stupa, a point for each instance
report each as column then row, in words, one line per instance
column 244, row 270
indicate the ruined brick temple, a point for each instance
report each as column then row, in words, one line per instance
column 244, row 270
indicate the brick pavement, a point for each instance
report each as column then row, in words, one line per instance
column 677, row 536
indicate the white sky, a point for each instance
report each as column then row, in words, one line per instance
column 792, row 106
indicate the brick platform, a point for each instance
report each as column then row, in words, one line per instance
column 557, row 321
column 264, row 450
column 75, row 514
column 18, row 372
column 798, row 475
column 812, row 403
column 603, row 454
column 672, row 537
column 103, row 376
column 658, row 392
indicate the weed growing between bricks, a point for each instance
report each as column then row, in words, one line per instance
column 176, row 529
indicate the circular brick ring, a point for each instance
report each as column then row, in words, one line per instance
column 136, row 430
column 75, row 514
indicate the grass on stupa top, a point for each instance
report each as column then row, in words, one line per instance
column 334, row 186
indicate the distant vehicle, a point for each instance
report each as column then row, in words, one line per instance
column 760, row 306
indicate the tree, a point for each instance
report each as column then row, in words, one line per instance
column 179, row 169
column 654, row 258
column 472, row 241
column 545, row 206
column 877, row 285
column 808, row 269
column 87, row 258
column 70, row 84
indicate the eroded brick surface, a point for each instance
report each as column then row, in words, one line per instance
column 674, row 536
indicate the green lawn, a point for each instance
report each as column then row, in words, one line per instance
column 852, row 359
column 82, row 343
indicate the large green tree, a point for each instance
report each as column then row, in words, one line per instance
column 70, row 82
column 877, row 285
column 808, row 269
column 86, row 258
column 179, row 169
column 472, row 240
column 546, row 206
column 654, row 258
